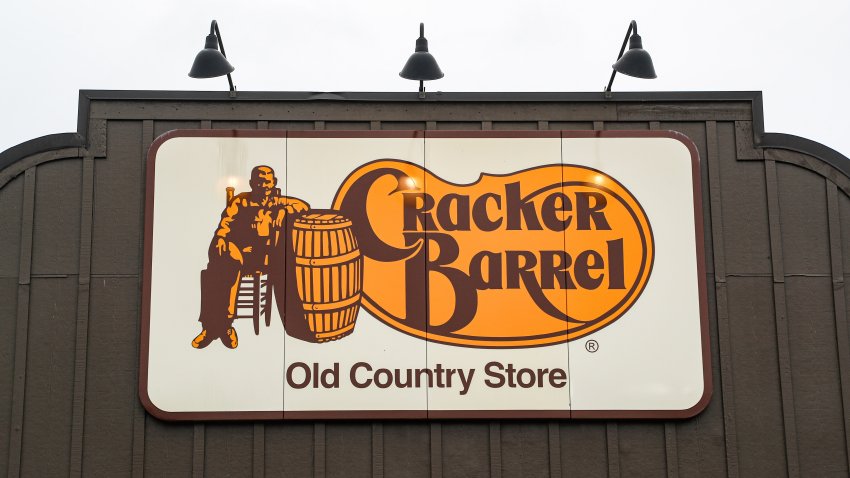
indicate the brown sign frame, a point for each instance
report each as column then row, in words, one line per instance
column 144, row 348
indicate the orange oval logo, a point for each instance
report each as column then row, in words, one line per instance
column 537, row 257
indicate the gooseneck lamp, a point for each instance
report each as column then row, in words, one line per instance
column 209, row 62
column 635, row 62
column 421, row 65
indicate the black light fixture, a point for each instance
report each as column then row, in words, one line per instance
column 421, row 65
column 209, row 62
column 635, row 62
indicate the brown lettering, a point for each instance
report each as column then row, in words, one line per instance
column 585, row 262
column 585, row 213
column 416, row 212
column 457, row 204
column 550, row 209
column 479, row 212
column 519, row 208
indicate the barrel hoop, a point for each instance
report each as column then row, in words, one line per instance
column 325, row 306
column 322, row 227
column 322, row 335
column 327, row 261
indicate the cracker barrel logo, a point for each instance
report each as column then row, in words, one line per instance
column 537, row 257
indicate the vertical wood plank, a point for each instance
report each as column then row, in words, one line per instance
column 375, row 125
column 495, row 450
column 744, row 141
column 319, row 125
column 781, row 314
column 778, row 267
column 715, row 196
column 613, row 440
column 96, row 136
column 723, row 328
column 554, row 449
column 319, row 449
column 198, row 451
column 486, row 125
column 672, row 450
column 262, row 124
column 598, row 125
column 543, row 125
column 436, row 451
column 22, row 324
column 377, row 445
column 138, row 466
column 81, row 347
column 840, row 306
column 258, row 461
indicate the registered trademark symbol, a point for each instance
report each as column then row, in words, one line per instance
column 591, row 346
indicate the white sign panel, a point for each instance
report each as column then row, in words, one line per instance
column 413, row 274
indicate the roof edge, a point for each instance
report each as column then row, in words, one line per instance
column 792, row 142
column 43, row 144
column 806, row 146
column 437, row 96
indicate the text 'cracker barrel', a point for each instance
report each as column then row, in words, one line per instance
column 328, row 273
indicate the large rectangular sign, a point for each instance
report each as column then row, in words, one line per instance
column 423, row 274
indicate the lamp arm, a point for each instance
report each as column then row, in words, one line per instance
column 632, row 28
column 215, row 31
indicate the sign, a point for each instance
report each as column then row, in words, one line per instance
column 413, row 274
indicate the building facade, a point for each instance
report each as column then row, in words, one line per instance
column 776, row 222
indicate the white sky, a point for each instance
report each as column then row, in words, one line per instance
column 795, row 52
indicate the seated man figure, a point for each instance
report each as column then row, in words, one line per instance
column 251, row 227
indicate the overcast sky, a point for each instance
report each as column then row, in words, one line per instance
column 795, row 52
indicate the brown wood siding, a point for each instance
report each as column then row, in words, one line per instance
column 777, row 236
column 8, row 309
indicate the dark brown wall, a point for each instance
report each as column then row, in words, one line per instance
column 777, row 250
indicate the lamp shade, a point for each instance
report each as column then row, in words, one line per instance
column 421, row 65
column 635, row 62
column 210, row 62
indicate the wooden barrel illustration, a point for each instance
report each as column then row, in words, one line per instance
column 328, row 273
